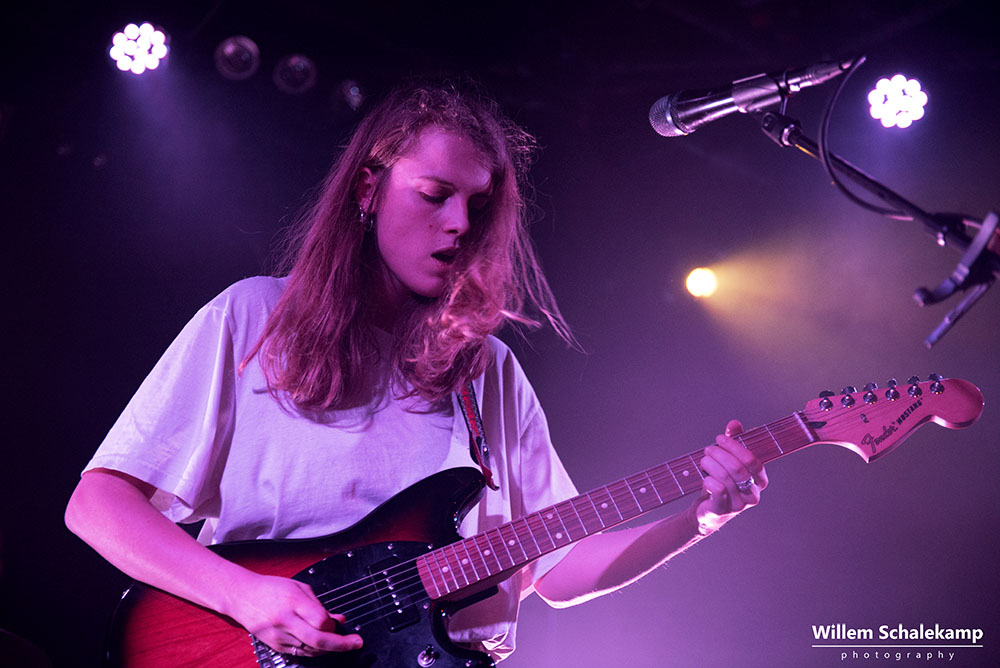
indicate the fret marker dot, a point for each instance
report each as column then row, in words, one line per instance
column 510, row 542
column 486, row 553
column 444, row 570
column 642, row 490
column 559, row 535
column 604, row 505
column 685, row 473
column 549, row 516
column 465, row 561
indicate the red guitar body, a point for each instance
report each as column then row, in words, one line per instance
column 152, row 629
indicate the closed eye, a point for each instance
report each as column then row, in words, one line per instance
column 434, row 199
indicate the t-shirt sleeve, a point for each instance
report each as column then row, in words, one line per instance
column 175, row 431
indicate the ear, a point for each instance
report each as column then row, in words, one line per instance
column 364, row 190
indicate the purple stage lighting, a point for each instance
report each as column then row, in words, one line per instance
column 295, row 74
column 897, row 102
column 237, row 57
column 138, row 48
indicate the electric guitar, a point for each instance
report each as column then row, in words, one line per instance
column 398, row 574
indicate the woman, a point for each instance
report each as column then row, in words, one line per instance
column 291, row 407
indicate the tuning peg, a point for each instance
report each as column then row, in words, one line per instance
column 870, row 386
column 913, row 380
column 934, row 377
column 937, row 387
column 891, row 382
column 914, row 391
column 892, row 393
column 825, row 402
column 850, row 389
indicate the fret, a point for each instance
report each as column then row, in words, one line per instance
column 491, row 549
column 424, row 569
column 597, row 513
column 451, row 555
column 608, row 506
column 559, row 535
column 677, row 482
column 469, row 561
column 503, row 542
column 683, row 474
column 436, row 574
column 776, row 444
column 535, row 534
column 659, row 500
column 696, row 467
column 576, row 513
column 622, row 500
column 512, row 538
column 805, row 429
column 445, row 571
column 482, row 557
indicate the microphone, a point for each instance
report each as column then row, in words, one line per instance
column 683, row 113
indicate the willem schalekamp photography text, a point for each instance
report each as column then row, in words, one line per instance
column 898, row 643
column 780, row 212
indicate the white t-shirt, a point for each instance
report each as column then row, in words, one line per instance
column 218, row 447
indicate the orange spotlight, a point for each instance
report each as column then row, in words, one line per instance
column 702, row 282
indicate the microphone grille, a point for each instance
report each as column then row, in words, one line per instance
column 661, row 117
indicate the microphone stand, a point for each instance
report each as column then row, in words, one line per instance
column 980, row 263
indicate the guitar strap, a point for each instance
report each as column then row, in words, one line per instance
column 477, row 435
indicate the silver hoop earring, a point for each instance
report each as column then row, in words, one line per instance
column 367, row 220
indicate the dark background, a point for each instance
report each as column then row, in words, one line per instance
column 127, row 202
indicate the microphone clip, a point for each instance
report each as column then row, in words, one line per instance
column 975, row 272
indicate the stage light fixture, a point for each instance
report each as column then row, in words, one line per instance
column 351, row 93
column 237, row 57
column 702, row 282
column 295, row 74
column 138, row 47
column 897, row 101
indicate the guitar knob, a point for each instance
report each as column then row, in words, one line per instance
column 427, row 657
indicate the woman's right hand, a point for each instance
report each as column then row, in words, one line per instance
column 286, row 615
column 111, row 511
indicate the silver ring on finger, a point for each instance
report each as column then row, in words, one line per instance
column 744, row 486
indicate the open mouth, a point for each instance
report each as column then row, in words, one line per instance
column 446, row 257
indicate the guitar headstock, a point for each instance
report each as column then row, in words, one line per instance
column 873, row 421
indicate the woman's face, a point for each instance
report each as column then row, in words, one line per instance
column 428, row 202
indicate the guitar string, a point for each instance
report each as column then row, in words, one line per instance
column 759, row 438
column 619, row 497
column 370, row 589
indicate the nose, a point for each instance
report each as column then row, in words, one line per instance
column 457, row 220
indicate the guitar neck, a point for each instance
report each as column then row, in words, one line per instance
column 468, row 562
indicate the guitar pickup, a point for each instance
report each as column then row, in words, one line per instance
column 391, row 586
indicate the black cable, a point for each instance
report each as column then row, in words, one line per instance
column 824, row 153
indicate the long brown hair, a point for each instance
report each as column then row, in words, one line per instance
column 317, row 348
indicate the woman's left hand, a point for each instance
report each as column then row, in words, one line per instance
column 734, row 482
